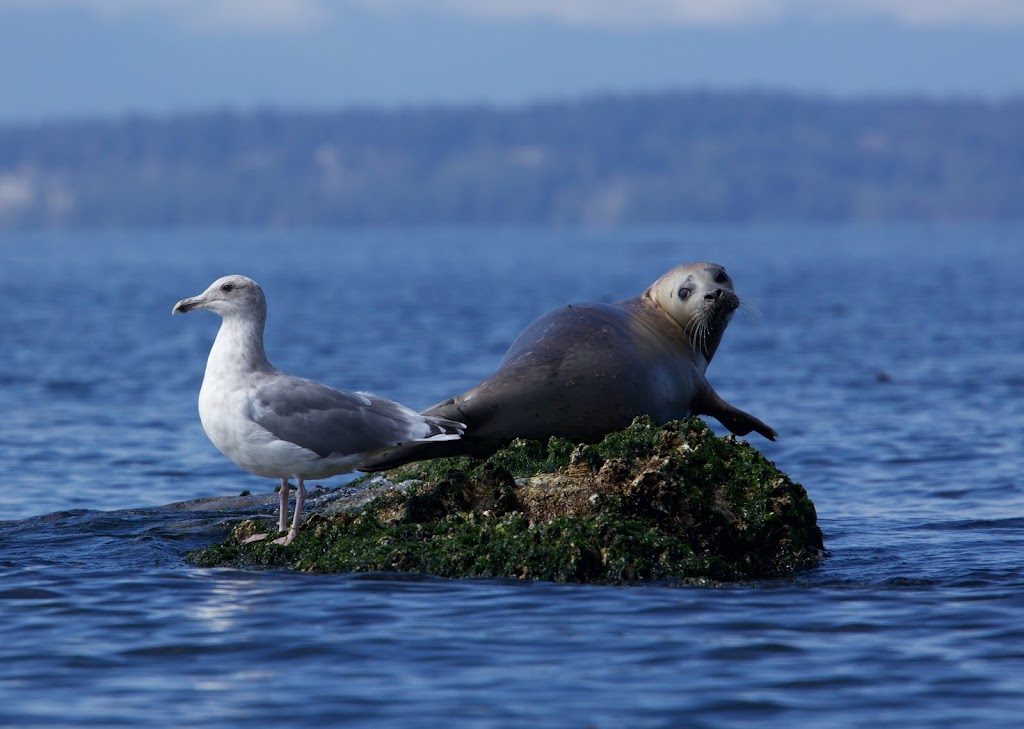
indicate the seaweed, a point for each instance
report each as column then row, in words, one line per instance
column 672, row 503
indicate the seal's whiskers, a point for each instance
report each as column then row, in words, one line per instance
column 750, row 311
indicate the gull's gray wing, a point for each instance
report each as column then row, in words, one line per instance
column 326, row 421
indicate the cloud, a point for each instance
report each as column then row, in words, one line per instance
column 297, row 15
column 204, row 15
column 993, row 13
column 634, row 13
column 659, row 13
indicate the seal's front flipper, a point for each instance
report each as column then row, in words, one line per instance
column 708, row 402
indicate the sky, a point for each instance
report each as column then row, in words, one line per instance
column 103, row 58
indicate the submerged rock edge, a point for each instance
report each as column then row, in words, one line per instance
column 672, row 504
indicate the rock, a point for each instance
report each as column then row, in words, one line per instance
column 669, row 504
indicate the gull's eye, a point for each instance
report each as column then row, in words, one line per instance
column 682, row 293
column 227, row 288
column 721, row 277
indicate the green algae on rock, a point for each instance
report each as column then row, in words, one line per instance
column 670, row 504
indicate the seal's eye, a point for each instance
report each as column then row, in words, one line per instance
column 721, row 277
column 683, row 293
column 227, row 288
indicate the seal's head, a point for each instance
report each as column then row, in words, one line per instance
column 700, row 298
column 228, row 296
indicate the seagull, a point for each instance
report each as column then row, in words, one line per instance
column 277, row 425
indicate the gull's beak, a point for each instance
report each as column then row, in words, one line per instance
column 186, row 305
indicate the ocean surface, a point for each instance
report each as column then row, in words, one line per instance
column 890, row 360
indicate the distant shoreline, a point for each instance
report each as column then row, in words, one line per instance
column 615, row 159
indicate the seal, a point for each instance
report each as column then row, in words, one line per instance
column 584, row 370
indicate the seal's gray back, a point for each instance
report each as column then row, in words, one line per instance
column 577, row 372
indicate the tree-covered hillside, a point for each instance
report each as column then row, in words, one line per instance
column 644, row 159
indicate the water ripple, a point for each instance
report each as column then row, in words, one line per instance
column 913, row 620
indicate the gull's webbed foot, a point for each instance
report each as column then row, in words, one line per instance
column 254, row 538
column 287, row 538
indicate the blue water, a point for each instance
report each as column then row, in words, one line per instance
column 890, row 360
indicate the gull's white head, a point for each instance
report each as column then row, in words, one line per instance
column 233, row 295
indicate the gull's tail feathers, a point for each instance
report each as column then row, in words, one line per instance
column 442, row 429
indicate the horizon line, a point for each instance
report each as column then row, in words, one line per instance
column 441, row 105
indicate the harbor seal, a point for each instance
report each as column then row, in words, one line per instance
column 584, row 370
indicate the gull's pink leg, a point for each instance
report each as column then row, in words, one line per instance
column 300, row 500
column 282, row 518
